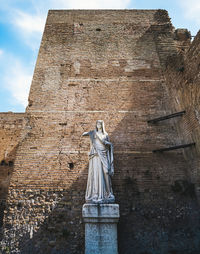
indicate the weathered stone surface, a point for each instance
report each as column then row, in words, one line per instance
column 100, row 212
column 13, row 129
column 101, row 228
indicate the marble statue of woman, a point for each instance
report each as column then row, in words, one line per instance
column 99, row 188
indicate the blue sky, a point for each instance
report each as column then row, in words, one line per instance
column 22, row 24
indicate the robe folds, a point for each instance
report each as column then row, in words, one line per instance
column 99, row 188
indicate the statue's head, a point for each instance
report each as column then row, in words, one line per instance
column 100, row 125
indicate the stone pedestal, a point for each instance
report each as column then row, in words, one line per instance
column 100, row 228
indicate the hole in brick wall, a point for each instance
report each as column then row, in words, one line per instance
column 71, row 165
column 72, row 84
column 62, row 123
column 10, row 163
column 30, row 103
column 3, row 163
column 98, row 29
column 181, row 69
column 19, row 205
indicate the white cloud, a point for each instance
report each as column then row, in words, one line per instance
column 90, row 4
column 29, row 27
column 19, row 84
column 16, row 78
column 1, row 52
column 29, row 23
column 191, row 9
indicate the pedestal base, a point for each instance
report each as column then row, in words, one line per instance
column 100, row 228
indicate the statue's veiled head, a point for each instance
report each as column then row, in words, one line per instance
column 100, row 125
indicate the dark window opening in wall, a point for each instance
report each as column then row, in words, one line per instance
column 71, row 165
column 98, row 29
column 80, row 24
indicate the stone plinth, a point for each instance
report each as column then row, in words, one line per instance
column 101, row 228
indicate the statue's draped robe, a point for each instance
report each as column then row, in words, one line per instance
column 99, row 187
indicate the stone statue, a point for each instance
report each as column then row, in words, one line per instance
column 99, row 188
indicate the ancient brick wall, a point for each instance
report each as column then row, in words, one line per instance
column 107, row 65
column 11, row 133
column 183, row 80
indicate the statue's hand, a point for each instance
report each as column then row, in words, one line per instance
column 107, row 143
column 111, row 173
column 85, row 134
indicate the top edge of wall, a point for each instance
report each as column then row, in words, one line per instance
column 102, row 15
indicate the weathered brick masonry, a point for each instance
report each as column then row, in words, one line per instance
column 12, row 131
column 111, row 65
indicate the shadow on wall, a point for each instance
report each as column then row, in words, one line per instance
column 157, row 217
column 6, row 169
column 151, row 221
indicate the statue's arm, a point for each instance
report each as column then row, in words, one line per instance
column 107, row 141
column 86, row 133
